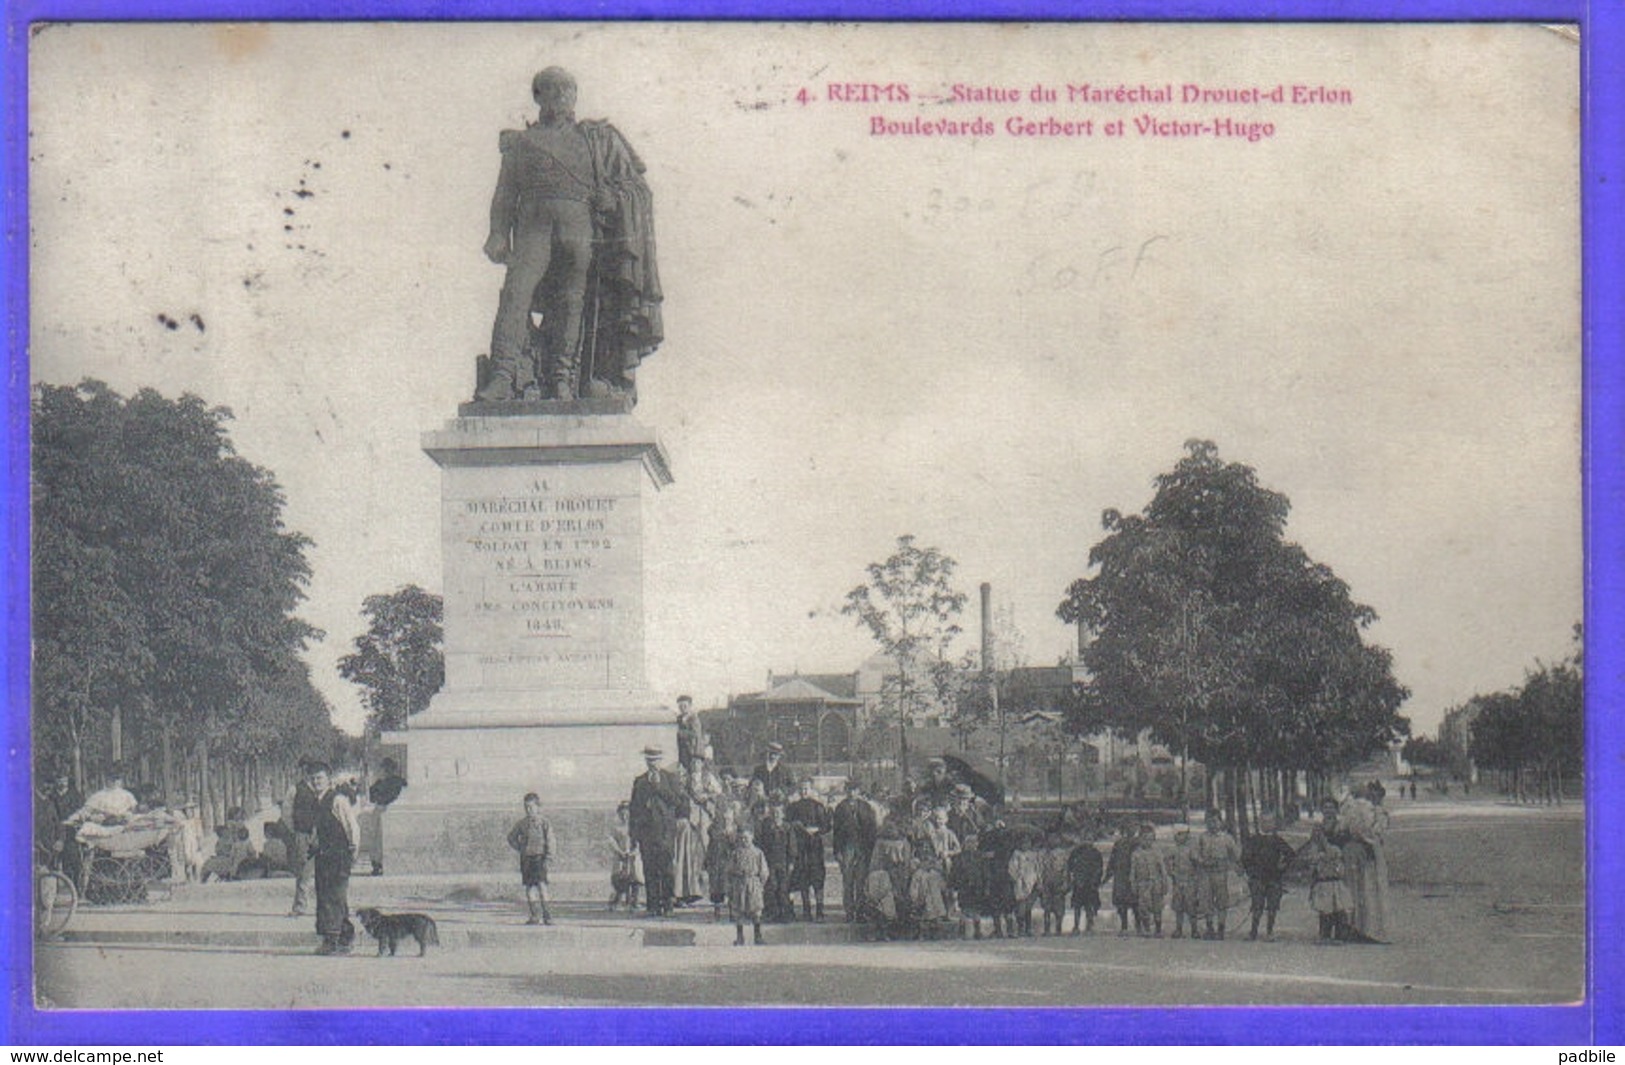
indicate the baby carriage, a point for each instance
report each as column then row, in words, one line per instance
column 128, row 863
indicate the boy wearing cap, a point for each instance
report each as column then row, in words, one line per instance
column 1120, row 871
column 777, row 841
column 1150, row 883
column 1085, row 871
column 1183, row 876
column 1265, row 858
column 532, row 837
column 1216, row 852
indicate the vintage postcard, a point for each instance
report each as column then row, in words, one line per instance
column 780, row 514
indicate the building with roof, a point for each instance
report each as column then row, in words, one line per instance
column 817, row 717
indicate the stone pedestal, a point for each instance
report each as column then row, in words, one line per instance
column 542, row 524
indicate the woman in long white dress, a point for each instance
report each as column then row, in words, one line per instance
column 689, row 877
column 1362, row 824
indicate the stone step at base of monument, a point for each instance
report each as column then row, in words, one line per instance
column 559, row 936
column 694, row 928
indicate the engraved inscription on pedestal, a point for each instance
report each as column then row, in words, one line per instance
column 542, row 539
column 544, row 578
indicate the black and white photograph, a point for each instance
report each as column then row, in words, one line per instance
column 758, row 514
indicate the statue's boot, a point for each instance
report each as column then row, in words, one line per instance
column 499, row 389
column 564, row 380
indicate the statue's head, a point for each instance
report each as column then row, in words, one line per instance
column 554, row 91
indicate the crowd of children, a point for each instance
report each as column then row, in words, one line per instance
column 940, row 857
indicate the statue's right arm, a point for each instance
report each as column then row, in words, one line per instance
column 504, row 203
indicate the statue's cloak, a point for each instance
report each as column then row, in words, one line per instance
column 623, row 316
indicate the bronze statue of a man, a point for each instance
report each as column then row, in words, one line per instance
column 573, row 221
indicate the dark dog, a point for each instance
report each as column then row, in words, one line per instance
column 390, row 928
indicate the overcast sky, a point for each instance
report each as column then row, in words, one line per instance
column 981, row 341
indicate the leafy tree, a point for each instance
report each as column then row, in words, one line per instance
column 1426, row 752
column 910, row 607
column 1534, row 735
column 164, row 579
column 1226, row 641
column 398, row 661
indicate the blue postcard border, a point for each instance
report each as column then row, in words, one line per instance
column 1599, row 1020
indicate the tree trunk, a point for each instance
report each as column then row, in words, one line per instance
column 1248, row 802
column 77, row 743
column 1238, row 795
column 1184, row 785
column 116, row 735
column 205, row 790
column 167, row 756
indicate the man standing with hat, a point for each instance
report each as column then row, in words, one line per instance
column 855, row 828
column 774, row 774
column 299, row 812
column 690, row 733
column 337, row 836
column 657, row 803
column 938, row 789
column 963, row 816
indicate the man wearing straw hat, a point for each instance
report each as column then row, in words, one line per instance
column 774, row 774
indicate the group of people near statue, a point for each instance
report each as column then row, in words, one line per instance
column 939, row 859
column 694, row 835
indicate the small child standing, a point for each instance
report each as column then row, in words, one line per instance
column 1026, row 869
column 1183, row 877
column 1265, row 858
column 1054, row 883
column 1328, row 895
column 1085, row 870
column 747, row 886
column 1120, row 871
column 1150, row 876
column 532, row 837
column 623, row 873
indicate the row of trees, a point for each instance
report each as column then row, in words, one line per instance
column 1532, row 737
column 1206, row 628
column 165, row 585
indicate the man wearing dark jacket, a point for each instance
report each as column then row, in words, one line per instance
column 775, row 775
column 811, row 820
column 299, row 812
column 657, row 803
column 855, row 827
column 337, row 837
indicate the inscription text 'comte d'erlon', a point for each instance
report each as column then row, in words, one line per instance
column 572, row 220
